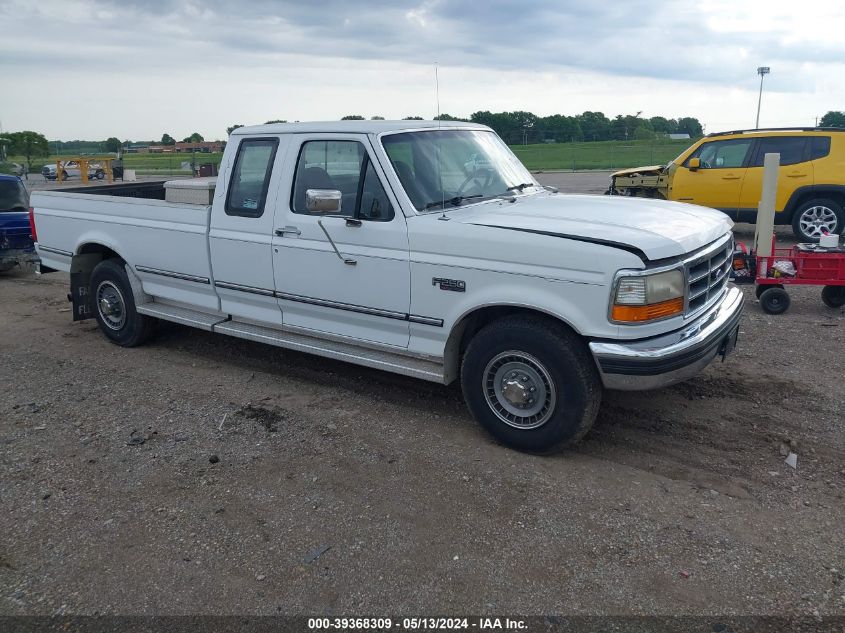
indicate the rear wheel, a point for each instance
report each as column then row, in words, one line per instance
column 833, row 296
column 759, row 290
column 114, row 305
column 816, row 217
column 774, row 300
column 531, row 383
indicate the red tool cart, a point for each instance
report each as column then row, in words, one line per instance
column 804, row 264
column 772, row 269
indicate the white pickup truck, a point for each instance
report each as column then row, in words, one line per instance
column 371, row 242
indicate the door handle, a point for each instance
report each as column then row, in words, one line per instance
column 288, row 230
column 796, row 174
column 730, row 177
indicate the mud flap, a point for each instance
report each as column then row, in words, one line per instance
column 81, row 268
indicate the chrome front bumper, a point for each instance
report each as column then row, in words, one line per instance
column 669, row 358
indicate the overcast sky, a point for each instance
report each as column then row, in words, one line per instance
column 92, row 69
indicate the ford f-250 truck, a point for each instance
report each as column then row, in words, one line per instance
column 372, row 242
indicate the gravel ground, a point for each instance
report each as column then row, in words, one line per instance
column 204, row 474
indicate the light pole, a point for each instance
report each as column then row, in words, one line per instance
column 762, row 71
column 526, row 125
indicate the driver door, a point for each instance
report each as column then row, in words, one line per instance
column 346, row 274
column 717, row 183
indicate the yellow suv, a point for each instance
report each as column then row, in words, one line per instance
column 725, row 171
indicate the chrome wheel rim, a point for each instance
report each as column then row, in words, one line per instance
column 110, row 305
column 817, row 220
column 519, row 390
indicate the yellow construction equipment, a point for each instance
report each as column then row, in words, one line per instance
column 83, row 163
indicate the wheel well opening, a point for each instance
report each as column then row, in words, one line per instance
column 837, row 196
column 99, row 249
column 472, row 323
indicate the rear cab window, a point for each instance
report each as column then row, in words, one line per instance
column 251, row 177
column 13, row 196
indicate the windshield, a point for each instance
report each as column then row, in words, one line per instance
column 13, row 196
column 446, row 168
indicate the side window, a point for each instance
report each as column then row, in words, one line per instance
column 722, row 154
column 341, row 166
column 819, row 147
column 251, row 177
column 790, row 148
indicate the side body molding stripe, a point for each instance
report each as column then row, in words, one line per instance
column 337, row 305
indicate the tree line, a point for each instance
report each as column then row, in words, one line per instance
column 526, row 127
column 514, row 128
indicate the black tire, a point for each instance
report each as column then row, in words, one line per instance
column 110, row 290
column 562, row 372
column 833, row 296
column 759, row 290
column 99, row 174
column 774, row 300
column 828, row 214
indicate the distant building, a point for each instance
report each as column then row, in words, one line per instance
column 203, row 147
column 679, row 137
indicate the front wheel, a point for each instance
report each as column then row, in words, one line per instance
column 531, row 383
column 833, row 296
column 816, row 218
column 114, row 305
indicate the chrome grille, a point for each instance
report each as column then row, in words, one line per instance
column 707, row 277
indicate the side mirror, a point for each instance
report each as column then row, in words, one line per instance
column 323, row 201
column 694, row 164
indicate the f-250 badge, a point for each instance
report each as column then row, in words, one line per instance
column 455, row 285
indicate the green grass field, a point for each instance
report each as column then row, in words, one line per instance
column 567, row 156
column 599, row 155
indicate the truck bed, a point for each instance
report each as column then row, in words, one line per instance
column 166, row 242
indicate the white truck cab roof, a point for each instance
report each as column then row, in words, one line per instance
column 354, row 127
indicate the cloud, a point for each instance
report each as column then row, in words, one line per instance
column 708, row 45
column 712, row 41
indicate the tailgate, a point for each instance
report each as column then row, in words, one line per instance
column 15, row 231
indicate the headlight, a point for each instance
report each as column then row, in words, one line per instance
column 648, row 297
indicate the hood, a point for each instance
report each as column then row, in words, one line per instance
column 651, row 169
column 653, row 229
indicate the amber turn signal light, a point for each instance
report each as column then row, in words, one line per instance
column 637, row 314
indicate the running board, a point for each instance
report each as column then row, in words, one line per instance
column 387, row 361
column 185, row 316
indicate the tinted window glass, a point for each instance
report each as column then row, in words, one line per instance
column 819, row 147
column 13, row 196
column 340, row 166
column 251, row 177
column 722, row 154
column 790, row 148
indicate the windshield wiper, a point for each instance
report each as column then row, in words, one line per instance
column 454, row 201
column 520, row 186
